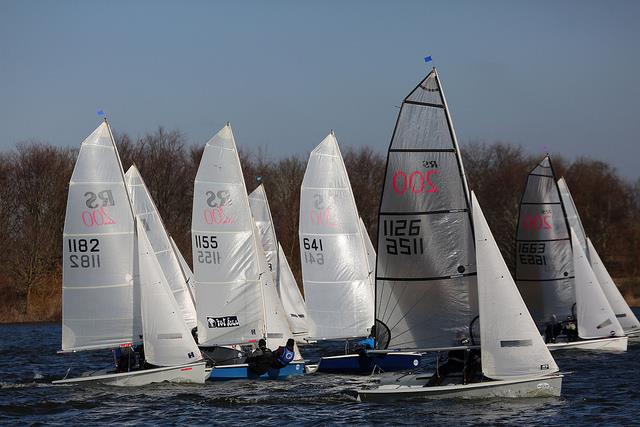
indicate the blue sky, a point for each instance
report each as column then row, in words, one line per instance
column 560, row 76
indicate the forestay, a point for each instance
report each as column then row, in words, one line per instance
column 595, row 319
column 544, row 265
column 511, row 344
column 101, row 302
column 227, row 276
column 292, row 302
column 623, row 313
column 426, row 270
column 167, row 338
column 334, row 261
column 147, row 213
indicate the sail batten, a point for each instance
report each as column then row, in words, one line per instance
column 425, row 272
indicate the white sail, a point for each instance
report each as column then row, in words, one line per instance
column 262, row 216
column 186, row 270
column 292, row 302
column 294, row 305
column 100, row 304
column 334, row 261
column 371, row 257
column 623, row 313
column 620, row 307
column 426, row 270
column 167, row 338
column 147, row 213
column 572, row 214
column 544, row 265
column 227, row 276
column 276, row 327
column 595, row 317
column 511, row 344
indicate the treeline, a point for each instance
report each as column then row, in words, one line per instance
column 34, row 181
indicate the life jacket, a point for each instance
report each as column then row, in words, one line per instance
column 283, row 358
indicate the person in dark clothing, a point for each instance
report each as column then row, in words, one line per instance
column 126, row 360
column 570, row 329
column 260, row 359
column 284, row 355
column 139, row 350
column 464, row 361
column 552, row 330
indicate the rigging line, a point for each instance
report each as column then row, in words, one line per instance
column 418, row 300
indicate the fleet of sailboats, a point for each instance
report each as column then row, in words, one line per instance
column 553, row 272
column 438, row 282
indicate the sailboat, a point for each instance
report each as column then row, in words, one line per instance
column 145, row 209
column 430, row 280
column 288, row 290
column 553, row 273
column 237, row 301
column 336, row 271
column 625, row 316
column 115, row 294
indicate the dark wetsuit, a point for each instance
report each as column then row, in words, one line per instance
column 260, row 360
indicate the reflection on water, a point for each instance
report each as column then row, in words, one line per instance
column 603, row 389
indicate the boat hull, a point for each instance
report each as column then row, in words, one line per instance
column 189, row 373
column 549, row 386
column 242, row 371
column 368, row 363
column 616, row 344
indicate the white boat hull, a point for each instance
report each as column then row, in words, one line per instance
column 599, row 344
column 189, row 373
column 632, row 333
column 549, row 386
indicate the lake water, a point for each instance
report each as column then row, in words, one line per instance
column 602, row 389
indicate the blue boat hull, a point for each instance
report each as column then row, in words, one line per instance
column 366, row 363
column 242, row 371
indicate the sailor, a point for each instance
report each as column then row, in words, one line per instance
column 284, row 355
column 571, row 329
column 368, row 343
column 126, row 360
column 259, row 360
column 455, row 363
column 552, row 329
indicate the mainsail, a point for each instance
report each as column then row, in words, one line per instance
column 334, row 260
column 236, row 299
column 167, row 337
column 147, row 213
column 544, row 263
column 100, row 300
column 511, row 344
column 287, row 287
column 426, row 269
column 625, row 316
